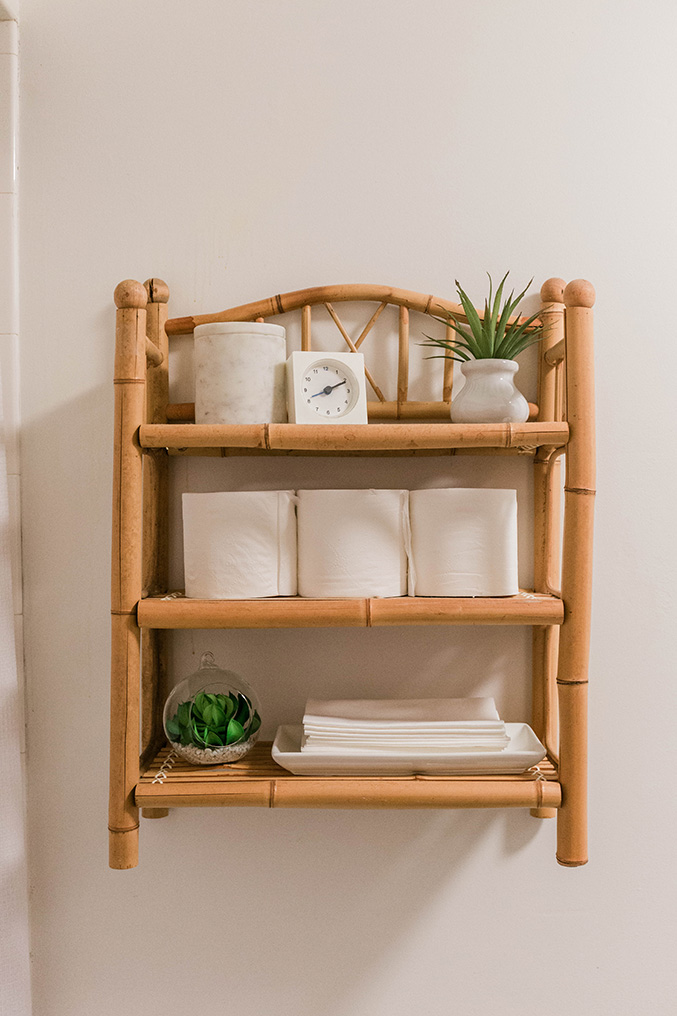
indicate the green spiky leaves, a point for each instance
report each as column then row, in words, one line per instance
column 213, row 720
column 491, row 336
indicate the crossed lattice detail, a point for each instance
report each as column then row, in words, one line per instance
column 327, row 296
column 354, row 346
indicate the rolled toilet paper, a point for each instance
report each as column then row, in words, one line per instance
column 240, row 373
column 352, row 543
column 463, row 542
column 240, row 544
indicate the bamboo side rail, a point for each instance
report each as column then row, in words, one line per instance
column 547, row 519
column 579, row 491
column 356, row 437
column 301, row 612
column 126, row 571
column 155, row 528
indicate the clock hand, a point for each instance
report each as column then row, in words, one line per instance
column 328, row 389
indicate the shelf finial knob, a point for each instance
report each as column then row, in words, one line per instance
column 552, row 291
column 130, row 294
column 157, row 290
column 579, row 293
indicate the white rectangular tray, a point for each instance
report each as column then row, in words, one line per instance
column 524, row 751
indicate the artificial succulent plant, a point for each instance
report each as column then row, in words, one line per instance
column 213, row 720
column 497, row 334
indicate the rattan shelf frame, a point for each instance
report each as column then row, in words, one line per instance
column 145, row 431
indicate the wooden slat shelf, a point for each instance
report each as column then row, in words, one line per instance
column 404, row 438
column 299, row 612
column 257, row 781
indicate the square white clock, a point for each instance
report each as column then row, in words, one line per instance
column 326, row 388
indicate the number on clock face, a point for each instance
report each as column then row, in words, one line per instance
column 329, row 389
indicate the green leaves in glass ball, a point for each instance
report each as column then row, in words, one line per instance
column 212, row 720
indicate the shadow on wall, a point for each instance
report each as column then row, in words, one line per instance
column 318, row 901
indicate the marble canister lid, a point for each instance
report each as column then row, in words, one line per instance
column 239, row 327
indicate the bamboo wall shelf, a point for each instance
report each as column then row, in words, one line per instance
column 298, row 612
column 149, row 431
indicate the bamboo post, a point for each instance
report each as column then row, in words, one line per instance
column 403, row 359
column 305, row 327
column 579, row 491
column 448, row 378
column 130, row 382
column 552, row 317
column 155, row 535
column 547, row 508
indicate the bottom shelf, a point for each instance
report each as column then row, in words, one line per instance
column 257, row 781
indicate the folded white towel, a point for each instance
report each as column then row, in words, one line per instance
column 402, row 726
column 379, row 711
column 404, row 751
column 351, row 728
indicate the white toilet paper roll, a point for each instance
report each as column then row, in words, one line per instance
column 352, row 542
column 239, row 545
column 463, row 542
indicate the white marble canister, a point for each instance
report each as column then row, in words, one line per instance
column 463, row 542
column 240, row 373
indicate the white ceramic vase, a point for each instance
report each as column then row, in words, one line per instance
column 239, row 373
column 489, row 394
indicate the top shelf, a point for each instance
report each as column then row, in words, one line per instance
column 346, row 439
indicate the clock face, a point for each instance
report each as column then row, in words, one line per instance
column 328, row 389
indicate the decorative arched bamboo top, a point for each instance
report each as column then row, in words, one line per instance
column 326, row 296
column 282, row 303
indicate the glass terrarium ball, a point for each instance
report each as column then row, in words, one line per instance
column 212, row 716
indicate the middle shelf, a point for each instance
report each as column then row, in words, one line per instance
column 526, row 608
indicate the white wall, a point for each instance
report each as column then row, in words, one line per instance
column 240, row 150
column 9, row 309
